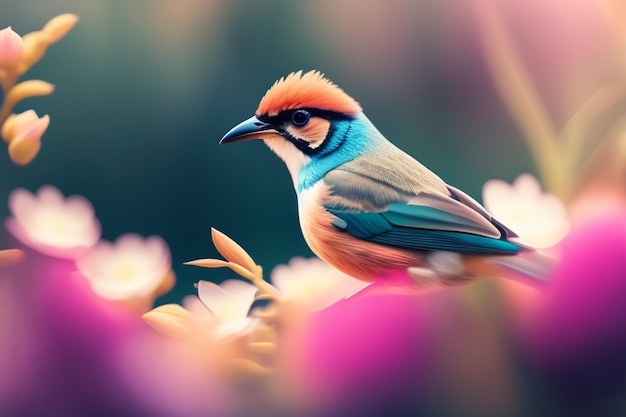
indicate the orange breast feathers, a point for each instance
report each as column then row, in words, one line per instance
column 358, row 258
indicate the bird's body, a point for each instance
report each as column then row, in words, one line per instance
column 356, row 257
column 365, row 206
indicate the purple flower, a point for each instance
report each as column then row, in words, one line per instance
column 576, row 333
column 389, row 351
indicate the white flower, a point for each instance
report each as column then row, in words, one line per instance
column 223, row 308
column 313, row 284
column 538, row 218
column 51, row 224
column 130, row 268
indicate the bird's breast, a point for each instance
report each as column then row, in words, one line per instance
column 358, row 258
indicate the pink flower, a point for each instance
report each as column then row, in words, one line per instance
column 131, row 268
column 11, row 49
column 51, row 224
column 385, row 351
column 585, row 308
column 575, row 331
column 60, row 339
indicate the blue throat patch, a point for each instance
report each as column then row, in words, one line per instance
column 348, row 140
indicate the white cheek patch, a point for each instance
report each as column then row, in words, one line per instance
column 314, row 132
column 315, row 145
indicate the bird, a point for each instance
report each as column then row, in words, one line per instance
column 365, row 206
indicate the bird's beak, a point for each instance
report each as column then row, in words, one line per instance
column 247, row 130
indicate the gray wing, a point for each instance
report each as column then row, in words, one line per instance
column 434, row 205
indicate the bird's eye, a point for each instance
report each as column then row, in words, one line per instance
column 300, row 117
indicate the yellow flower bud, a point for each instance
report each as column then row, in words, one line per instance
column 23, row 132
column 59, row 26
column 26, row 89
column 36, row 43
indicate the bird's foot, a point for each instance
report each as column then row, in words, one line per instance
column 444, row 269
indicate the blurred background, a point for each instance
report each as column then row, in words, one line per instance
column 145, row 90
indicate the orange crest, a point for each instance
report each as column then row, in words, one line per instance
column 309, row 90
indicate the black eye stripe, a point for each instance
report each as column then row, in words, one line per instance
column 285, row 116
column 282, row 119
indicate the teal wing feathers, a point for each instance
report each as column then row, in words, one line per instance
column 372, row 210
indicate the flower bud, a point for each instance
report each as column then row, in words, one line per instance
column 17, row 123
column 36, row 43
column 11, row 49
column 26, row 89
column 24, row 133
column 59, row 26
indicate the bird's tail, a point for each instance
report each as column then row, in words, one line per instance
column 444, row 269
column 532, row 267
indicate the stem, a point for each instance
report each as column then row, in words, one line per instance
column 577, row 135
column 7, row 83
column 261, row 284
column 523, row 100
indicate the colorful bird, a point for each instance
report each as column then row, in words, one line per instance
column 365, row 206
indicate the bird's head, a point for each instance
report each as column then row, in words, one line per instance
column 307, row 121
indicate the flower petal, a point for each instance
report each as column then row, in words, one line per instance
column 526, row 185
column 25, row 89
column 233, row 328
column 230, row 300
column 539, row 219
column 170, row 319
column 36, row 43
column 59, row 26
column 25, row 145
column 11, row 49
column 231, row 251
column 313, row 283
column 22, row 152
column 52, row 225
column 208, row 263
column 16, row 123
column 128, row 269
